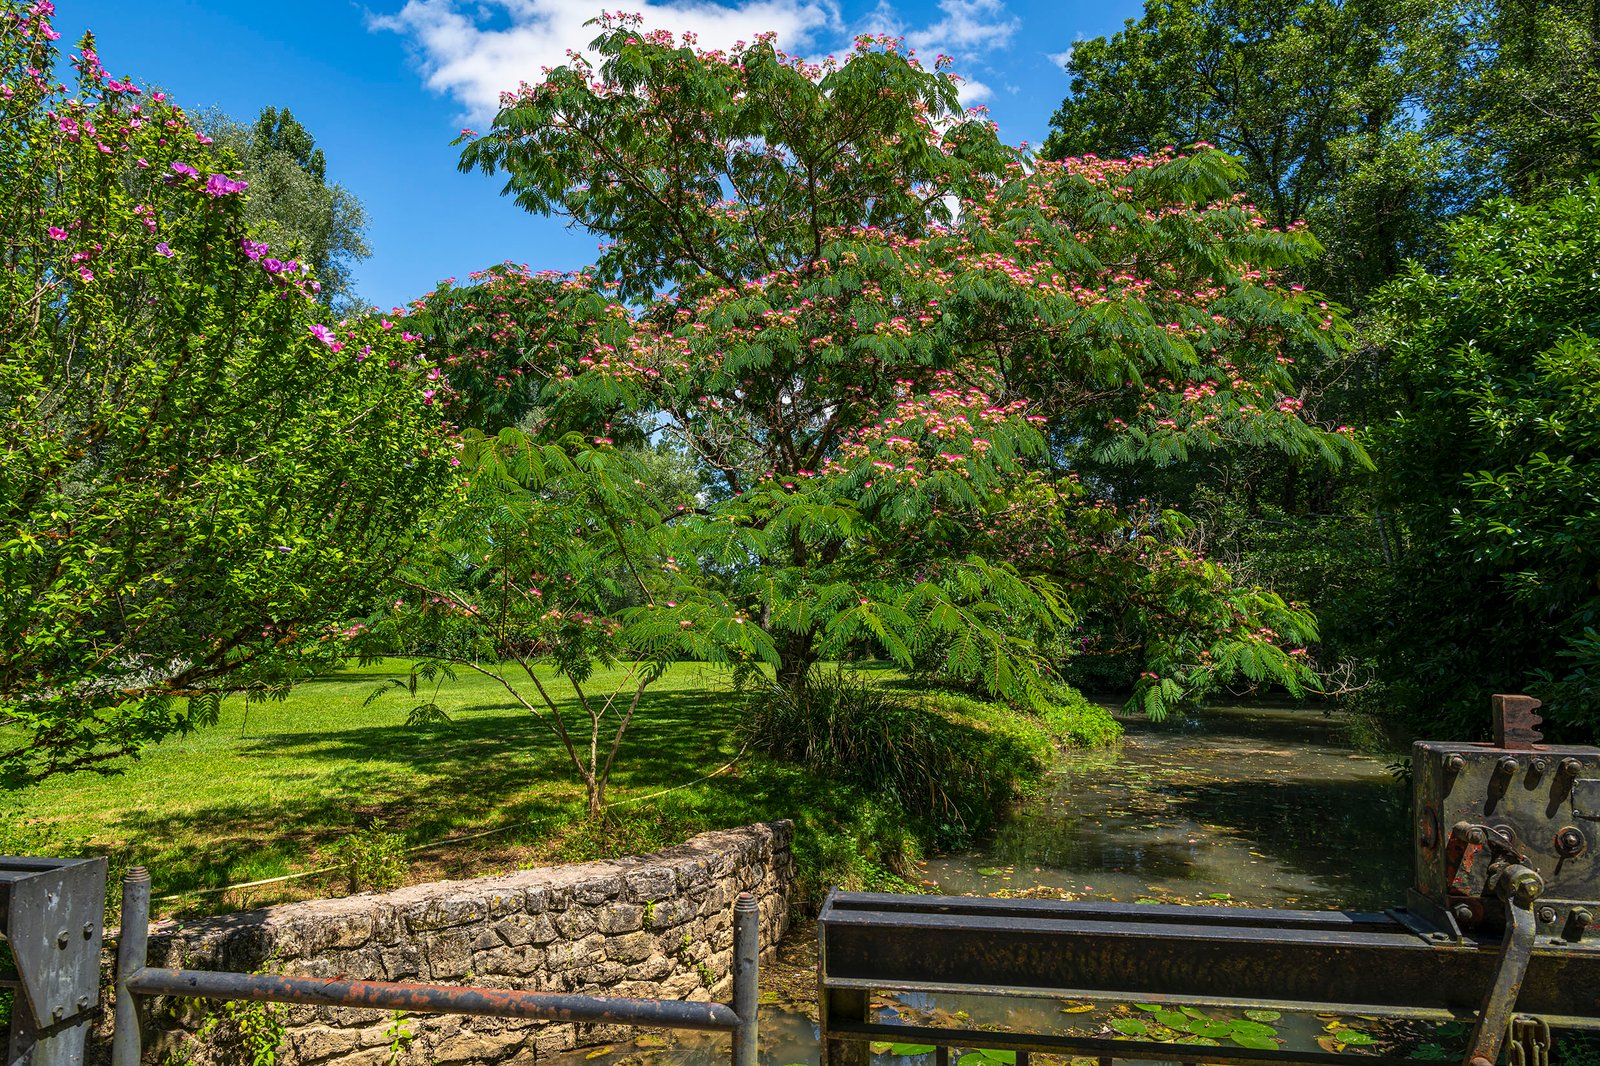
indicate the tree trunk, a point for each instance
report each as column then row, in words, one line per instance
column 796, row 656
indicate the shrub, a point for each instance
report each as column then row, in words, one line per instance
column 952, row 761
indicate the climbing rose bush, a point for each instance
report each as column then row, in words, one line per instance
column 203, row 478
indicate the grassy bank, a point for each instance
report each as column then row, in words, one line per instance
column 274, row 788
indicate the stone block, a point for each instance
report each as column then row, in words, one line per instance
column 620, row 918
column 449, row 954
column 511, row 961
column 482, row 1049
column 315, row 1043
column 651, row 883
column 445, row 912
column 632, row 947
column 596, row 890
column 575, row 923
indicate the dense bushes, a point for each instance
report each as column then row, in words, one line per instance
column 952, row 763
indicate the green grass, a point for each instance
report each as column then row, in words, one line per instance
column 273, row 788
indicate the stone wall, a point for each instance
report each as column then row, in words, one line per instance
column 655, row 926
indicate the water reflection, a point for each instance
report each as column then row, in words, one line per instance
column 1269, row 807
column 1255, row 806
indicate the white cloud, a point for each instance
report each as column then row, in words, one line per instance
column 475, row 64
column 967, row 29
column 475, row 51
column 1059, row 60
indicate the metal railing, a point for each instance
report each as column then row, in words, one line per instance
column 136, row 978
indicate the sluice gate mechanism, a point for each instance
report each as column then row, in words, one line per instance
column 1498, row 930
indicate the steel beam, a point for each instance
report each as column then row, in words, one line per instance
column 1361, row 962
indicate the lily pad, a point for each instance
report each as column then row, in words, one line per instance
column 911, row 1049
column 1263, row 1015
column 1077, row 1008
column 1130, row 1026
column 990, row 871
column 1353, row 1037
column 1252, row 1040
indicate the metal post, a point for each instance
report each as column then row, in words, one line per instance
column 132, row 947
column 746, row 977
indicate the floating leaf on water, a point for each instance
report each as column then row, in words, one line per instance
column 879, row 1047
column 1195, row 1012
column 1263, row 1015
column 1353, row 1037
column 1130, row 1026
column 1202, row 1041
column 1328, row 1043
column 651, row 1040
column 1210, row 1028
column 1252, row 1029
column 597, row 1052
column 990, row 871
column 1149, row 1008
column 1172, row 1019
column 1219, row 895
column 1077, row 1008
column 1251, row 1040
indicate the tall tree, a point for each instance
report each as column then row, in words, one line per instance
column 291, row 202
column 871, row 376
column 1494, row 466
column 1309, row 95
column 202, row 479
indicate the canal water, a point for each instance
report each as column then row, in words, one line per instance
column 1233, row 806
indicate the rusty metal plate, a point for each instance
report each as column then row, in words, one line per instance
column 1586, row 799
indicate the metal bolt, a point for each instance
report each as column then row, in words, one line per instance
column 83, row 1002
column 1455, row 764
column 1468, row 833
column 1463, row 913
column 1570, row 767
column 1581, row 917
column 1570, row 841
column 1547, row 915
column 59, row 1013
column 63, row 939
column 88, row 930
column 1538, row 767
column 1506, row 766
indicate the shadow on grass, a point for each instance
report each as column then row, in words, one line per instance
column 482, row 771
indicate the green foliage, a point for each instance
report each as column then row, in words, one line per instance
column 876, row 393
column 202, row 481
column 1495, row 467
column 291, row 204
column 950, row 761
column 374, row 857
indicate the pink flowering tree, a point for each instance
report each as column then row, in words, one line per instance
column 899, row 351
column 203, row 479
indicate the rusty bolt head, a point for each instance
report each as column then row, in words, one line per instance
column 1582, row 917
column 1570, row 842
column 1455, row 764
column 1571, row 766
column 1506, row 766
column 1547, row 915
column 1468, row 833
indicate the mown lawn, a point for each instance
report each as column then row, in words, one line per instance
column 271, row 788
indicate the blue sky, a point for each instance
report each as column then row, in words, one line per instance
column 385, row 86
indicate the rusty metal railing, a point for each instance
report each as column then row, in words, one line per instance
column 135, row 978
